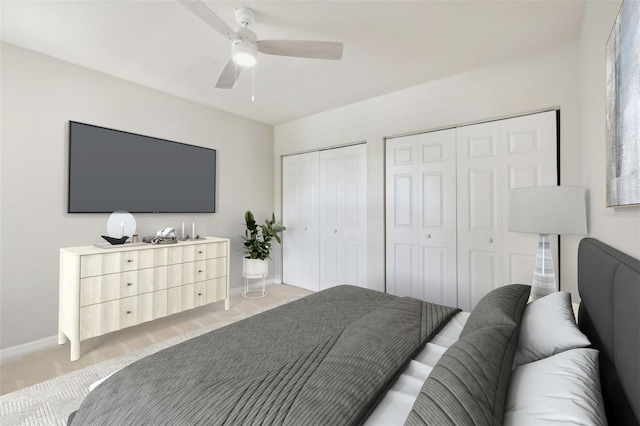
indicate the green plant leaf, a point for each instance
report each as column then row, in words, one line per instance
column 257, row 238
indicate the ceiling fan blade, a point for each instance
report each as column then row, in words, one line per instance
column 229, row 75
column 208, row 16
column 301, row 49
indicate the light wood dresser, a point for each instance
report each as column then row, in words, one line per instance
column 104, row 290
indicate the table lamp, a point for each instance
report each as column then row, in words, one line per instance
column 547, row 210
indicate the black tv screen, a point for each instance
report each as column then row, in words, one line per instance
column 111, row 170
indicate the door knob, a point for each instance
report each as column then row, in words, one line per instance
column 489, row 240
column 428, row 235
column 335, row 231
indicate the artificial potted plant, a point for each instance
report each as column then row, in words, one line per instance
column 257, row 244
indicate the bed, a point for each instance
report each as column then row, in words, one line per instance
column 354, row 356
column 609, row 315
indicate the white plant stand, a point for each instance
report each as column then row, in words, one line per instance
column 254, row 269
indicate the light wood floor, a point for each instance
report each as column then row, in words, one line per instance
column 18, row 373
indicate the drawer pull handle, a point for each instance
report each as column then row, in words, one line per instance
column 129, row 260
column 200, row 252
column 199, row 271
column 129, row 312
column 199, row 294
column 129, row 284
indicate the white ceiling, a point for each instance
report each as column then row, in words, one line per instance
column 388, row 45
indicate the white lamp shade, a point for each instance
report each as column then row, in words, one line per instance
column 548, row 210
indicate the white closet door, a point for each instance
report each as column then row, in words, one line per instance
column 479, row 212
column 437, row 233
column 402, row 260
column 530, row 152
column 300, row 214
column 421, row 216
column 492, row 158
column 343, row 216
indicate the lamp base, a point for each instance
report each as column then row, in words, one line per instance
column 544, row 277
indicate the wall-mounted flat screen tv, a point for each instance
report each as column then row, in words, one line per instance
column 111, row 170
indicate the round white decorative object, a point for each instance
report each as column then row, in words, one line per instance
column 121, row 223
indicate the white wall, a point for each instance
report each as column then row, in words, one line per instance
column 547, row 79
column 618, row 227
column 39, row 96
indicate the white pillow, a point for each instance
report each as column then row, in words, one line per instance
column 560, row 390
column 548, row 327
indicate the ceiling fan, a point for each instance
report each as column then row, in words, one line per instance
column 245, row 45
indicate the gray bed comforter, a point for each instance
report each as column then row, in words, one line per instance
column 325, row 359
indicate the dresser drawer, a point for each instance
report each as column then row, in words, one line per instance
column 200, row 252
column 180, row 298
column 181, row 274
column 188, row 273
column 216, row 268
column 182, row 254
column 117, row 286
column 109, row 263
column 214, row 250
column 191, row 296
column 216, row 289
column 102, row 318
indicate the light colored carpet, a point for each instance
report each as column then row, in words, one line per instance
column 51, row 402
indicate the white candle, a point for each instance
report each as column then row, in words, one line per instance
column 121, row 229
column 183, row 230
column 193, row 230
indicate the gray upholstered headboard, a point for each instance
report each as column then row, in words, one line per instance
column 609, row 284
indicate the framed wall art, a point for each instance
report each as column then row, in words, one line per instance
column 623, row 107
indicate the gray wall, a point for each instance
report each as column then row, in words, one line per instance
column 39, row 96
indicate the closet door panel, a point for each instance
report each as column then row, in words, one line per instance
column 479, row 205
column 331, row 262
column 403, row 282
column 530, row 159
column 343, row 216
column 402, row 216
column 433, row 272
column 421, row 216
column 483, row 269
column 492, row 159
column 354, row 234
column 437, row 213
column 331, row 211
column 300, row 214
column 354, row 264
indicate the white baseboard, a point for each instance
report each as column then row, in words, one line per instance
column 27, row 348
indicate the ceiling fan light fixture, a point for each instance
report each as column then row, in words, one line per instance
column 245, row 53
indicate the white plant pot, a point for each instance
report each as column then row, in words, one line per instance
column 255, row 268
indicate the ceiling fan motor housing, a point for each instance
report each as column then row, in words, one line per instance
column 244, row 51
column 246, row 34
column 245, row 17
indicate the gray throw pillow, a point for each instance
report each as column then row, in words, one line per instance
column 469, row 384
column 502, row 306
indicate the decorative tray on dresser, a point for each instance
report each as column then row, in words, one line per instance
column 107, row 290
